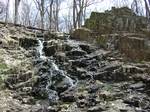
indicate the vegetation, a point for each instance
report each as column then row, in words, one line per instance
column 45, row 14
column 3, row 66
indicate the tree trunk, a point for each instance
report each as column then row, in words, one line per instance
column 57, row 11
column 42, row 14
column 7, row 11
column 147, row 9
column 16, row 11
column 50, row 15
column 74, row 14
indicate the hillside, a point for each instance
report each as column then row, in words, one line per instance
column 44, row 72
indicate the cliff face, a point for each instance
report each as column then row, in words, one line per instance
column 118, row 19
column 118, row 29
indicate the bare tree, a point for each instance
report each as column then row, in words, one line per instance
column 26, row 11
column 40, row 4
column 147, row 9
column 74, row 14
column 53, row 10
column 7, row 11
column 136, row 7
column 79, row 11
column 2, row 10
column 17, row 2
column 121, row 3
column 57, row 15
column 50, row 14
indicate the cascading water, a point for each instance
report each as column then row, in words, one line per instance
column 53, row 75
column 40, row 48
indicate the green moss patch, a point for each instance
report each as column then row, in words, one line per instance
column 3, row 66
column 101, row 41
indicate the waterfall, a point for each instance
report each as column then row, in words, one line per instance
column 54, row 67
column 40, row 48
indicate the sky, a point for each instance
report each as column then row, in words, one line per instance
column 65, row 6
column 98, row 6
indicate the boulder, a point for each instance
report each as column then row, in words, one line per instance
column 76, row 53
column 135, row 48
column 81, row 34
column 59, row 82
column 86, row 47
column 50, row 50
column 27, row 42
column 68, row 96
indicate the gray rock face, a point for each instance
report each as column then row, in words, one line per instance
column 50, row 50
column 27, row 42
column 76, row 53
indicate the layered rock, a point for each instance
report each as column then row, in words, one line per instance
column 117, row 19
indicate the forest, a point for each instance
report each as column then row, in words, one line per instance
column 74, row 55
column 47, row 13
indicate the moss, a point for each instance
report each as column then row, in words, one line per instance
column 117, row 19
column 102, row 41
column 3, row 66
column 81, row 34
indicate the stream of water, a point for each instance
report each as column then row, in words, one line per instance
column 54, row 66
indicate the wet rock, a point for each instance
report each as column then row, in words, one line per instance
column 91, row 100
column 86, row 48
column 61, row 87
column 80, row 73
column 40, row 92
column 80, row 63
column 43, row 69
column 101, row 76
column 76, row 53
column 68, row 96
column 60, row 57
column 50, row 50
column 111, row 67
column 1, row 42
column 59, row 82
column 67, row 47
column 132, row 102
column 52, row 97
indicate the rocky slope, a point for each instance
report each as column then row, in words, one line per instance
column 118, row 29
column 64, row 75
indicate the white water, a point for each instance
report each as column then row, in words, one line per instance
column 40, row 49
column 54, row 66
column 67, row 78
